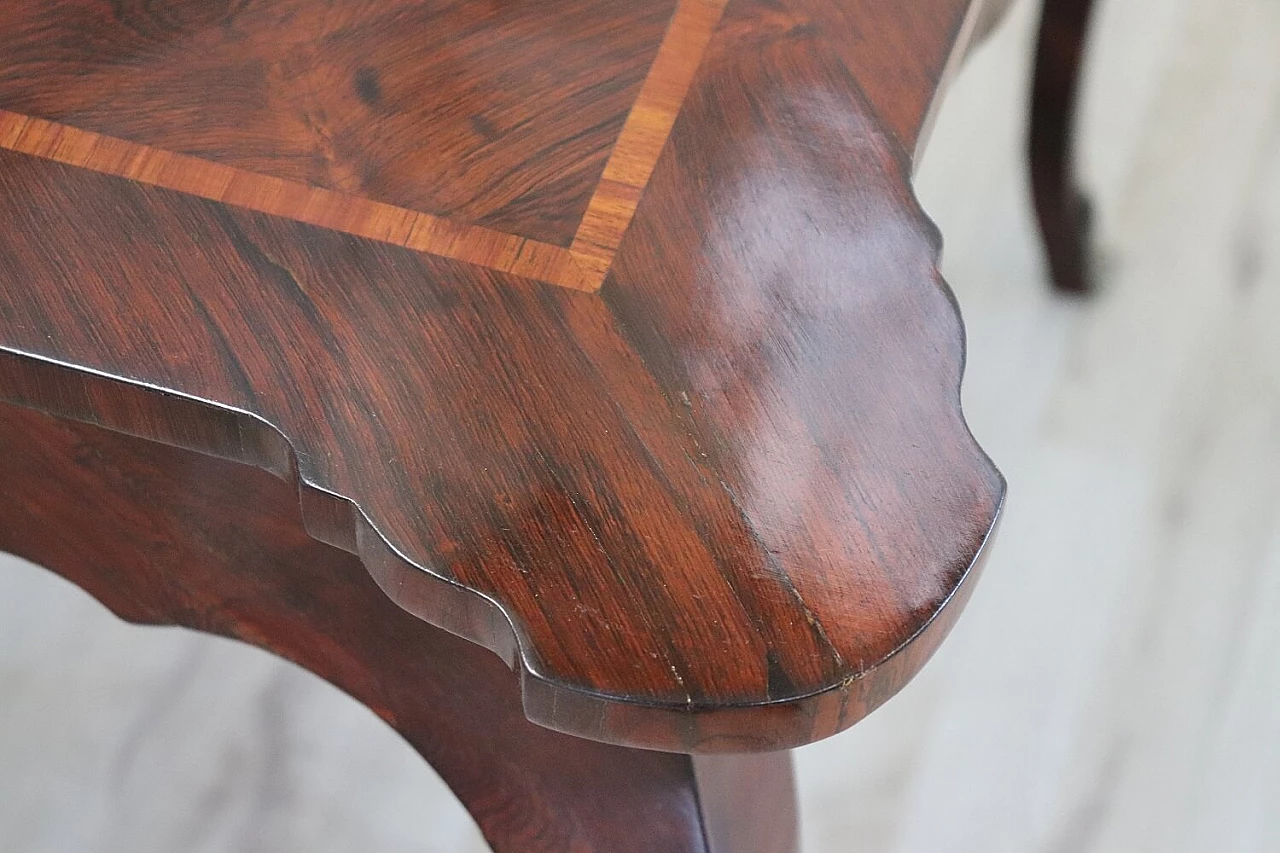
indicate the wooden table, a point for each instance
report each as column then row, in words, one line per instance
column 424, row 341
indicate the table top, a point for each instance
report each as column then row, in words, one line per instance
column 609, row 335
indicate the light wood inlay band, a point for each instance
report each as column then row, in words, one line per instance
column 645, row 134
column 291, row 199
column 583, row 266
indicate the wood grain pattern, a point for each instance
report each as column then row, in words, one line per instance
column 358, row 210
column 420, row 104
column 304, row 203
column 165, row 536
column 639, row 145
column 727, row 502
column 312, row 205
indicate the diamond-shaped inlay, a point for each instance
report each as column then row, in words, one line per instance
column 516, row 134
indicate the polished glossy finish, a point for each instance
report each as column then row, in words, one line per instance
column 694, row 467
column 167, row 536
column 420, row 105
column 368, row 121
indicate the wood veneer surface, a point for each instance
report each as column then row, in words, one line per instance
column 421, row 105
column 165, row 536
column 726, row 501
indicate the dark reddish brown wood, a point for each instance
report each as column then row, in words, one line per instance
column 167, row 536
column 718, row 498
column 422, row 105
column 1063, row 211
